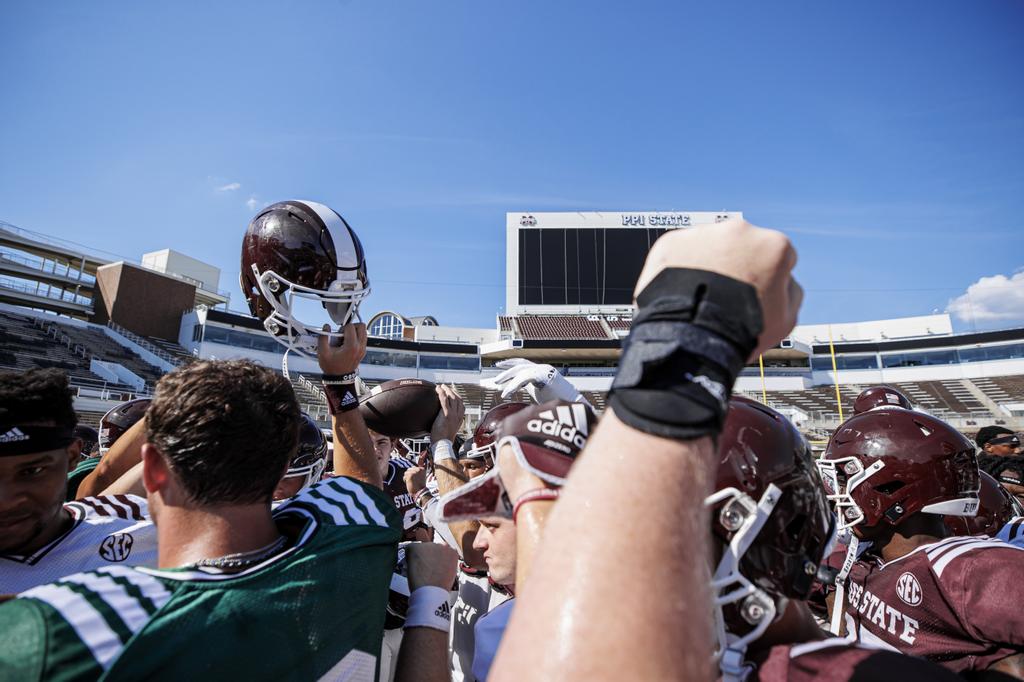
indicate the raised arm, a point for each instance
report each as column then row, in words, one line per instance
column 124, row 454
column 354, row 455
column 618, row 588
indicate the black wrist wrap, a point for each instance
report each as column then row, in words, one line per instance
column 340, row 391
column 691, row 336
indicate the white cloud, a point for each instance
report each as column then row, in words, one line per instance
column 230, row 187
column 997, row 299
column 252, row 203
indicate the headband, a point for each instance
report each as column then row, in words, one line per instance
column 27, row 440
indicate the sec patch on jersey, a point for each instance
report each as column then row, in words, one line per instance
column 116, row 547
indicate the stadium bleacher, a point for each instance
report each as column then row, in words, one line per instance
column 558, row 327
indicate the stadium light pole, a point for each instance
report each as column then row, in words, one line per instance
column 835, row 374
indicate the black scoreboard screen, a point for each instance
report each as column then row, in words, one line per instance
column 588, row 266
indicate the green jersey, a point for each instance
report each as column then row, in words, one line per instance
column 313, row 611
column 75, row 478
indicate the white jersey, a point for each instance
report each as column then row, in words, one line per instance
column 105, row 530
column 476, row 597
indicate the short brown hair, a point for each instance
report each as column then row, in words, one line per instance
column 226, row 428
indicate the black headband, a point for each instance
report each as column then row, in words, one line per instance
column 27, row 440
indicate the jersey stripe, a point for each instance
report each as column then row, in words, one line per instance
column 151, row 593
column 939, row 548
column 810, row 647
column 340, row 498
column 91, row 627
column 941, row 564
column 335, row 511
column 371, row 506
column 128, row 609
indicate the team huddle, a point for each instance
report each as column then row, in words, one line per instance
column 214, row 531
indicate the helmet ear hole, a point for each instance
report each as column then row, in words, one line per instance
column 890, row 487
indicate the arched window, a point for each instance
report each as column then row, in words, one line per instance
column 387, row 326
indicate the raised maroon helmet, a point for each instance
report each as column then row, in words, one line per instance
column 880, row 396
column 485, row 434
column 301, row 250
column 881, row 466
column 995, row 509
column 310, row 458
column 770, row 518
column 118, row 420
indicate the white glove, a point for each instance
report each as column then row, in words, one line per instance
column 542, row 382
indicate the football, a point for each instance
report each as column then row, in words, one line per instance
column 403, row 408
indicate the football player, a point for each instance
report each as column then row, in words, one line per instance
column 536, row 446
column 477, row 594
column 42, row 538
column 893, row 476
column 94, row 474
column 90, row 440
column 308, row 464
column 219, row 436
column 772, row 526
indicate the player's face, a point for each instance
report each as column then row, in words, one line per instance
column 32, row 490
column 289, row 487
column 1003, row 446
column 496, row 538
column 382, row 447
column 473, row 467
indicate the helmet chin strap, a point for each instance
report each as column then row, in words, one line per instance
column 840, row 596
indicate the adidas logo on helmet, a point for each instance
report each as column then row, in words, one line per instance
column 566, row 422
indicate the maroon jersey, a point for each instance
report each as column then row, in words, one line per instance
column 956, row 602
column 394, row 487
column 837, row 660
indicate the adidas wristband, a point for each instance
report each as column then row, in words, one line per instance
column 691, row 336
column 340, row 391
column 429, row 608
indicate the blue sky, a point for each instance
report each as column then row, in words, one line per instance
column 885, row 137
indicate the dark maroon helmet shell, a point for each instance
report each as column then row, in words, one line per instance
column 880, row 396
column 89, row 436
column 996, row 506
column 485, row 431
column 926, row 462
column 312, row 444
column 118, row 420
column 760, row 447
column 551, row 435
column 290, row 239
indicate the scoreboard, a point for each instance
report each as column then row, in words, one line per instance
column 584, row 262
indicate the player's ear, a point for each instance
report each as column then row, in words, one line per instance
column 155, row 473
column 74, row 454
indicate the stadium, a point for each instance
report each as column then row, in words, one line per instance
column 115, row 327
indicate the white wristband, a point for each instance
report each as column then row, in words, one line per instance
column 428, row 608
column 441, row 450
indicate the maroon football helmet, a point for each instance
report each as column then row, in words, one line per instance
column 90, row 439
column 995, row 509
column 298, row 252
column 771, row 523
column 310, row 458
column 485, row 434
column 118, row 420
column 881, row 466
column 880, row 396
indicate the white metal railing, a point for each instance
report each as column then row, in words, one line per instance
column 315, row 390
column 145, row 343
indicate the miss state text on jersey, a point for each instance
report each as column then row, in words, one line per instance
column 315, row 610
column 956, row 602
column 105, row 530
